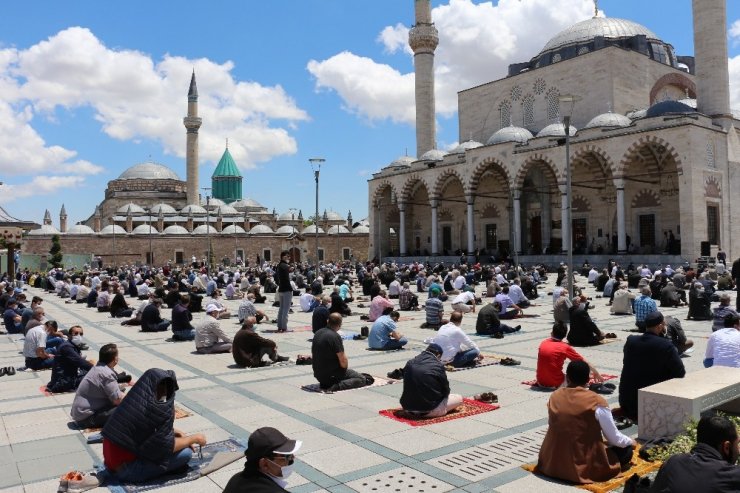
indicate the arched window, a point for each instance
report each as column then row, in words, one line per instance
column 505, row 114
column 528, row 110
column 553, row 104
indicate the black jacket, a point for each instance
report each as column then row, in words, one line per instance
column 181, row 318
column 425, row 383
column 150, row 317
column 283, row 276
column 252, row 482
column 69, row 368
column 704, row 469
column 648, row 359
column 319, row 318
column 583, row 330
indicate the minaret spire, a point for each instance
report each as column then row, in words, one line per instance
column 710, row 52
column 192, row 123
column 423, row 40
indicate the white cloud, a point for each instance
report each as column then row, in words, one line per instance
column 135, row 97
column 478, row 41
column 40, row 186
column 734, row 66
column 735, row 32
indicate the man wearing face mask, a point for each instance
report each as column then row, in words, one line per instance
column 69, row 366
column 711, row 464
column 649, row 358
column 270, row 456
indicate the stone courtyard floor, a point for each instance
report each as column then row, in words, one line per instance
column 347, row 445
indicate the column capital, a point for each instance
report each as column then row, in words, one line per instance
column 618, row 182
column 563, row 188
column 516, row 193
column 469, row 198
column 401, row 205
column 433, row 203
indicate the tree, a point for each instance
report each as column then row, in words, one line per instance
column 55, row 253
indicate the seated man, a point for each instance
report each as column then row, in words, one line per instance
column 488, row 323
column 434, row 311
column 649, row 358
column 270, row 456
column 383, row 334
column 69, row 366
column 720, row 313
column 551, row 355
column 151, row 320
column 99, row 393
column 182, row 328
column 12, row 317
column 643, row 305
column 622, row 303
column 509, row 309
column 407, row 300
column 139, row 441
column 583, row 330
column 426, row 390
column 573, row 448
column 710, row 466
column 699, row 303
column 320, row 314
column 209, row 337
column 379, row 305
column 40, row 344
column 671, row 297
column 675, row 333
column 517, row 294
column 345, row 292
column 459, row 350
column 308, row 302
column 255, row 289
column 249, row 348
column 330, row 364
column 465, row 301
column 723, row 347
column 338, row 305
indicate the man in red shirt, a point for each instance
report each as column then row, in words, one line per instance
column 552, row 355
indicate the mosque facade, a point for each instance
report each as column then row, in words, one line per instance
column 654, row 151
column 151, row 216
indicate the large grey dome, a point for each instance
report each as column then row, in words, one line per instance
column 401, row 163
column 470, row 144
column 510, row 134
column 609, row 120
column 149, row 171
column 80, row 229
column 607, row 27
column 556, row 130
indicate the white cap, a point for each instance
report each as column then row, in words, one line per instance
column 212, row 307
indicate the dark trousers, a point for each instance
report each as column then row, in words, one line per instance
column 97, row 420
column 624, row 454
column 350, row 380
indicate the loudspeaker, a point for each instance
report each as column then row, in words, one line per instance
column 705, row 249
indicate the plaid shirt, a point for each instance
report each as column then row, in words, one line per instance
column 405, row 298
column 643, row 306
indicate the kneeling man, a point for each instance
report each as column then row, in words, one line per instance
column 426, row 390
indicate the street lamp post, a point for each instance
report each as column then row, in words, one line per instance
column 151, row 254
column 115, row 259
column 567, row 104
column 316, row 163
column 208, row 227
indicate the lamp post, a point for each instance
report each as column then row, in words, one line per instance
column 316, row 163
column 208, row 226
column 115, row 262
column 567, row 102
column 151, row 254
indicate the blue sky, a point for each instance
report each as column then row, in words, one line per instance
column 88, row 89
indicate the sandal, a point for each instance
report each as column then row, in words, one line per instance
column 610, row 335
column 600, row 389
column 509, row 362
column 623, row 422
column 487, row 397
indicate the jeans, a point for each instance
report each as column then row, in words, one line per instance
column 183, row 335
column 219, row 347
column 39, row 364
column 509, row 314
column 393, row 344
column 464, row 358
column 52, row 343
column 141, row 470
column 285, row 300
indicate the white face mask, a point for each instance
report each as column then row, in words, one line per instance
column 285, row 471
column 77, row 339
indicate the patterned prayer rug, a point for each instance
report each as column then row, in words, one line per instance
column 469, row 407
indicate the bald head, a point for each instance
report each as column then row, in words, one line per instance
column 249, row 323
column 334, row 322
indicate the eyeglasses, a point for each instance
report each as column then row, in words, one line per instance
column 287, row 459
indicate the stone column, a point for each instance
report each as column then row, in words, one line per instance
column 402, row 228
column 564, row 226
column 517, row 213
column 471, row 225
column 710, row 52
column 379, row 220
column 621, row 224
column 435, row 245
column 546, row 205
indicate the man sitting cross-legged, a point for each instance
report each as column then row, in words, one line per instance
column 99, row 393
column 459, row 350
column 69, row 365
column 579, row 419
column 40, row 344
column 383, row 334
column 552, row 354
column 247, row 309
column 426, row 390
column 249, row 348
column 182, row 328
column 330, row 364
column 209, row 337
column 488, row 322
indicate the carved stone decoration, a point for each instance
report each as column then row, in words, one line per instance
column 490, row 211
column 646, row 198
column 712, row 187
column 516, row 93
column 581, row 204
column 539, row 86
column 711, row 162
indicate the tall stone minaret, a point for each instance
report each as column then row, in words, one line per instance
column 710, row 52
column 192, row 124
column 63, row 220
column 423, row 40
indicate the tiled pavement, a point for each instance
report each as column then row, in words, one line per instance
column 347, row 445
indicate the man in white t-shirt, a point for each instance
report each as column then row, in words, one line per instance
column 459, row 282
column 517, row 295
column 723, row 347
column 458, row 350
column 464, row 302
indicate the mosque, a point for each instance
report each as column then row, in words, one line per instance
column 149, row 215
column 653, row 151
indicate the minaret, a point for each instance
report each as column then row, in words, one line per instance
column 98, row 220
column 423, row 40
column 710, row 53
column 63, row 220
column 192, row 124
column 47, row 217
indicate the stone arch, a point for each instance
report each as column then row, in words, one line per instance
column 490, row 211
column 381, row 188
column 645, row 198
column 673, row 79
column 488, row 164
column 442, row 181
column 712, row 188
column 445, row 214
column 551, row 170
column 605, row 162
column 580, row 203
column 660, row 149
column 411, row 185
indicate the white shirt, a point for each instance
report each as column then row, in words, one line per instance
column 500, row 279
column 613, row 436
column 556, row 294
column 35, row 338
column 306, row 299
column 452, row 340
column 459, row 283
column 724, row 347
column 592, row 275
column 394, row 288
column 516, row 294
column 463, row 298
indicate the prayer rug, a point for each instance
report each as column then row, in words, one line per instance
column 533, row 383
column 300, row 328
column 638, row 466
column 607, row 341
column 469, row 407
column 379, row 382
column 488, row 360
column 212, row 457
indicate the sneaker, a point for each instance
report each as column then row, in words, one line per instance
column 282, row 358
column 3, row 372
column 10, row 370
column 498, row 335
column 82, row 482
column 396, row 374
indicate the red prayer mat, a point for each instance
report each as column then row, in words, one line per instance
column 469, row 407
column 605, row 376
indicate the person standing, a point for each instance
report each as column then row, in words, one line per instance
column 285, row 291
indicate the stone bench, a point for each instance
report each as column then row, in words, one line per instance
column 666, row 407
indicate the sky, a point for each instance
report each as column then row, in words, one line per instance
column 89, row 88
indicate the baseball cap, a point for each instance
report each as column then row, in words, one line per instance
column 266, row 441
column 212, row 307
column 435, row 349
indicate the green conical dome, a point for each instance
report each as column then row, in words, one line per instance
column 226, row 167
column 226, row 180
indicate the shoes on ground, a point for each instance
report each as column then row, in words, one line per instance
column 498, row 335
column 3, row 372
column 10, row 370
column 302, row 359
column 396, row 374
column 518, row 328
column 610, row 335
column 509, row 362
column 487, row 397
column 282, row 358
column 77, row 482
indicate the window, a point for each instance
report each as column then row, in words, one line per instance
column 267, row 255
column 321, row 254
column 149, row 256
column 240, row 254
column 505, row 114
column 553, row 104
column 713, row 224
column 346, row 253
column 528, row 110
column 179, row 258
column 647, row 229
column 491, row 237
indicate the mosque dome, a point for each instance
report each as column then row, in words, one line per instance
column 337, row 229
column 163, row 208
column 80, row 229
column 401, row 163
column 609, row 120
column 433, row 155
column 45, row 229
column 135, row 209
column 286, row 230
column 244, row 203
column 261, row 229
column 637, row 114
column 311, row 230
column 607, row 27
column 112, row 229
column 361, row 229
column 175, row 230
column 333, row 216
column 688, row 102
column 145, row 229
column 669, row 108
column 289, row 215
column 232, row 229
column 556, row 130
column 227, row 210
column 149, row 171
column 205, row 229
column 470, row 144
column 510, row 134
column 192, row 208
column 213, row 202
